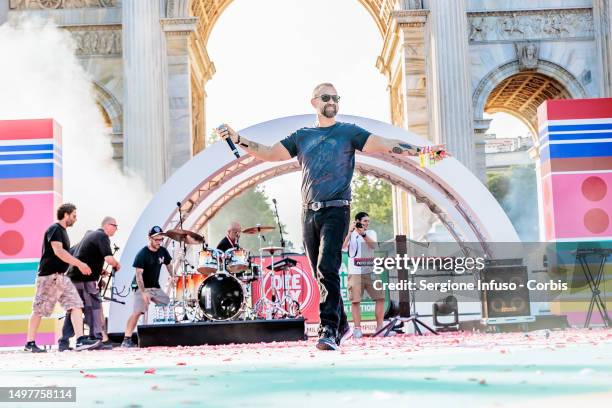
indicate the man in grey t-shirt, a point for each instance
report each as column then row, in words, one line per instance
column 326, row 153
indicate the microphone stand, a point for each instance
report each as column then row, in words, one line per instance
column 185, row 262
column 282, row 241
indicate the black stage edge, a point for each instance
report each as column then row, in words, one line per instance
column 215, row 333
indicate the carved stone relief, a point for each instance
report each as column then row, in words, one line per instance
column 501, row 26
column 97, row 41
column 59, row 4
column 527, row 55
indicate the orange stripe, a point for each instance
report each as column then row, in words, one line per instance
column 31, row 184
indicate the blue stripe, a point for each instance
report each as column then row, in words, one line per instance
column 10, row 157
column 26, row 170
column 563, row 151
column 544, row 154
column 571, row 128
column 577, row 136
column 18, row 277
column 25, row 148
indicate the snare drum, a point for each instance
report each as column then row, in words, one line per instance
column 236, row 260
column 209, row 261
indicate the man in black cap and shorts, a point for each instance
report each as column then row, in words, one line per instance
column 148, row 263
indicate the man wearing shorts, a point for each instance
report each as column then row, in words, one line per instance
column 148, row 263
column 360, row 243
column 94, row 249
column 53, row 286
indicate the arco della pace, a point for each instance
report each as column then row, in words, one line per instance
column 447, row 63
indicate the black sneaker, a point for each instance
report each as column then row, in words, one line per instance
column 85, row 343
column 105, row 345
column 128, row 343
column 344, row 333
column 64, row 346
column 327, row 339
column 32, row 347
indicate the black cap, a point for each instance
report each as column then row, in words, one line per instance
column 156, row 230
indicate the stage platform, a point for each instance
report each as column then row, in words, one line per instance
column 217, row 333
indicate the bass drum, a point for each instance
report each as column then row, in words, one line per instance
column 221, row 297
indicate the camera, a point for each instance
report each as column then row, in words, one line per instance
column 358, row 225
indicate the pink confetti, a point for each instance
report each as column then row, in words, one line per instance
column 181, row 363
column 89, row 376
column 150, row 371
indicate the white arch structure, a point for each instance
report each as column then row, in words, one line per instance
column 213, row 177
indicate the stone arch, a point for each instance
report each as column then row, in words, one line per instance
column 209, row 11
column 111, row 106
column 505, row 74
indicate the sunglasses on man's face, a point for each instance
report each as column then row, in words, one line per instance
column 326, row 98
column 158, row 239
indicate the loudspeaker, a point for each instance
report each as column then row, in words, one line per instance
column 500, row 306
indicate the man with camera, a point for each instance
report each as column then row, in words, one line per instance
column 360, row 243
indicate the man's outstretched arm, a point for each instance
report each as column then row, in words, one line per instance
column 378, row 144
column 276, row 152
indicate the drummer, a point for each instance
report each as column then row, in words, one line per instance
column 231, row 238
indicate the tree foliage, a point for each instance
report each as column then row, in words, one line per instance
column 374, row 196
column 249, row 209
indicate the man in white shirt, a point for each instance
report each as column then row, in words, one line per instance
column 360, row 243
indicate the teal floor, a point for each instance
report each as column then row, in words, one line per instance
column 403, row 372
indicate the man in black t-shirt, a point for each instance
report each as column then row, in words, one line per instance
column 94, row 249
column 326, row 154
column 53, row 286
column 231, row 237
column 147, row 264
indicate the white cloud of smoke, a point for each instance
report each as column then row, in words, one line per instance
column 40, row 77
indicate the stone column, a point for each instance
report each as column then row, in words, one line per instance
column 145, row 100
column 177, row 32
column 4, row 8
column 448, row 81
column 480, row 163
column 602, row 11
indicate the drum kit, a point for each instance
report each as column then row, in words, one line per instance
column 219, row 286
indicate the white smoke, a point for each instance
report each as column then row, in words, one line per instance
column 40, row 77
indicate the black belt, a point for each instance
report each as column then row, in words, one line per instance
column 317, row 205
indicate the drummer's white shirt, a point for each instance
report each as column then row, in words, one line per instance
column 355, row 246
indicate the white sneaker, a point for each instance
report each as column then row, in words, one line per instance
column 357, row 334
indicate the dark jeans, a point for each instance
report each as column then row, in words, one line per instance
column 323, row 233
column 91, row 310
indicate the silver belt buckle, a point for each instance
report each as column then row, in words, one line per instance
column 316, row 206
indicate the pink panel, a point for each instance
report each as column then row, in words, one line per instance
column 23, row 221
column 15, row 340
column 582, row 205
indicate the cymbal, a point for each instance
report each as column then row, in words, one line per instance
column 186, row 236
column 272, row 249
column 257, row 229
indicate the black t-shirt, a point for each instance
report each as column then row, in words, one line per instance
column 150, row 262
column 225, row 244
column 49, row 263
column 327, row 158
column 92, row 250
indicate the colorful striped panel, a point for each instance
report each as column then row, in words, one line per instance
column 30, row 191
column 17, row 274
column 576, row 169
column 19, row 339
column 30, row 129
column 23, row 224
